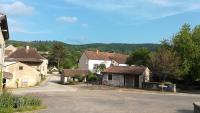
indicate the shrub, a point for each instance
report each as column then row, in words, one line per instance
column 6, row 100
column 91, row 77
column 80, row 78
column 10, row 103
column 71, row 82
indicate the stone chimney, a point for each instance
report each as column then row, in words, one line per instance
column 97, row 51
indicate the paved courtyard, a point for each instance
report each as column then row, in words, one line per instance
column 71, row 99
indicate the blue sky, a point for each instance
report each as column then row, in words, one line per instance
column 99, row 21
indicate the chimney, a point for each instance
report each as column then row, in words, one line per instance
column 97, row 51
column 27, row 48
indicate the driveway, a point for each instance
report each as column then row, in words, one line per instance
column 71, row 99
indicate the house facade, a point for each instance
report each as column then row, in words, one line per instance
column 22, row 75
column 90, row 60
column 30, row 57
column 126, row 76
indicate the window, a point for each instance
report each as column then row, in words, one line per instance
column 20, row 67
column 95, row 66
column 109, row 76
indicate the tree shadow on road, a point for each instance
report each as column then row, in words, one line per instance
column 185, row 111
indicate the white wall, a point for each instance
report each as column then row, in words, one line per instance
column 43, row 67
column 91, row 64
column 123, row 65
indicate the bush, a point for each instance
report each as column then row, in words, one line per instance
column 71, row 82
column 91, row 77
column 6, row 100
column 80, row 78
column 10, row 103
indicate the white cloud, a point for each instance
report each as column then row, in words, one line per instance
column 67, row 19
column 140, row 9
column 16, row 8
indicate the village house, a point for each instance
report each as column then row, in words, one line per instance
column 26, row 66
column 22, row 75
column 126, row 76
column 9, row 50
column 30, row 57
column 91, row 59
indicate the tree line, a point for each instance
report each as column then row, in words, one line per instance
column 177, row 58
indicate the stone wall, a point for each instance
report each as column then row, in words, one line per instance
column 25, row 77
column 117, row 80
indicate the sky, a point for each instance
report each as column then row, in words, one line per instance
column 98, row 21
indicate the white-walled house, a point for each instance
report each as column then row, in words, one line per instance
column 90, row 60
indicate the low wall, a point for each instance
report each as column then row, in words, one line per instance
column 157, row 86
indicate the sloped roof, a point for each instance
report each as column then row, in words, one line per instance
column 75, row 72
column 120, row 58
column 26, row 55
column 125, row 70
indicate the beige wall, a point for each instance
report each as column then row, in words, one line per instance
column 10, row 48
column 28, row 76
column 44, row 67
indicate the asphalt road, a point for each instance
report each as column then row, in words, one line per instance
column 71, row 99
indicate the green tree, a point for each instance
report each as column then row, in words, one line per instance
column 58, row 54
column 186, row 45
column 164, row 64
column 139, row 57
column 101, row 67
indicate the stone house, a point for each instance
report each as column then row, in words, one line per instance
column 22, row 75
column 30, row 57
column 126, row 76
column 91, row 59
column 9, row 49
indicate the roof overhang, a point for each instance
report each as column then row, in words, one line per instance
column 4, row 26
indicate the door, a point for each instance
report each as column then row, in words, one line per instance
column 136, row 81
column 129, row 81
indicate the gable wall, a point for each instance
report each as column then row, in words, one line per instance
column 26, row 77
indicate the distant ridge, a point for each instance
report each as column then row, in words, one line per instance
column 110, row 47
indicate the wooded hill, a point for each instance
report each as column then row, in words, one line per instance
column 112, row 47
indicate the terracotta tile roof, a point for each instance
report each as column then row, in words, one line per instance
column 125, row 70
column 120, row 58
column 26, row 55
column 74, row 72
